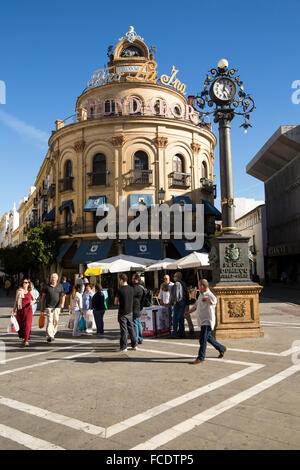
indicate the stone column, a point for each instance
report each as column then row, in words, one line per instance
column 81, row 172
column 118, row 141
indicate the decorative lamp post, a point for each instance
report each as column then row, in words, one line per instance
column 238, row 305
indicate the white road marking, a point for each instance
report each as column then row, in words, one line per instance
column 176, row 431
column 26, row 440
column 46, row 363
column 290, row 351
column 211, row 347
column 42, row 352
column 150, row 413
column 281, row 323
column 54, row 417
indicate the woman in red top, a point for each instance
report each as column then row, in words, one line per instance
column 23, row 307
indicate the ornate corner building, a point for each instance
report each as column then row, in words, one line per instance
column 134, row 132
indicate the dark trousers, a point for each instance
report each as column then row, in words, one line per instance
column 126, row 327
column 98, row 315
column 207, row 337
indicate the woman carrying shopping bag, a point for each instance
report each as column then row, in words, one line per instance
column 76, row 308
column 23, row 307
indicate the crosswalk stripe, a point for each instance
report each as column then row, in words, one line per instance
column 26, row 440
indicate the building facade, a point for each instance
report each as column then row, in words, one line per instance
column 277, row 164
column 253, row 225
column 135, row 134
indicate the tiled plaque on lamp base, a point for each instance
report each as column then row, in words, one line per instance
column 237, row 312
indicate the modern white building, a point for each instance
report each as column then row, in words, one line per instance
column 253, row 225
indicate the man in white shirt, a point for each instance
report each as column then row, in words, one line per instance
column 205, row 306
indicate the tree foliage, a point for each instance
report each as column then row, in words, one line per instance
column 41, row 248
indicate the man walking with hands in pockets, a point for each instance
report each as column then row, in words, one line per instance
column 205, row 306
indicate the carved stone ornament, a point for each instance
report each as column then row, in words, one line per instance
column 118, row 140
column 232, row 253
column 195, row 147
column 55, row 154
column 236, row 309
column 213, row 256
column 79, row 146
column 161, row 141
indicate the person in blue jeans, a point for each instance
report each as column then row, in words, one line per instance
column 138, row 294
column 98, row 307
column 205, row 306
column 178, row 300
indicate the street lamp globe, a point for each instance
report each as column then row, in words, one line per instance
column 223, row 64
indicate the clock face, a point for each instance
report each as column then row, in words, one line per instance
column 224, row 89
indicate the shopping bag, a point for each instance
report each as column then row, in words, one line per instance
column 82, row 324
column 13, row 326
column 71, row 321
column 42, row 320
column 89, row 318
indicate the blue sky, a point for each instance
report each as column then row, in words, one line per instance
column 50, row 49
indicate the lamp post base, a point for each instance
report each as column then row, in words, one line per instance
column 237, row 312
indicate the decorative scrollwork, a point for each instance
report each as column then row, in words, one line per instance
column 242, row 101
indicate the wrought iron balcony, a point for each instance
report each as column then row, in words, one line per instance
column 65, row 184
column 143, row 177
column 179, row 180
column 98, row 179
column 208, row 186
column 76, row 229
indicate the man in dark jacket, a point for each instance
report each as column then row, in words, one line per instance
column 125, row 301
column 179, row 300
column 98, row 308
column 138, row 294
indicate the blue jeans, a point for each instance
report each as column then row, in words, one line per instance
column 138, row 328
column 98, row 315
column 207, row 337
column 178, row 319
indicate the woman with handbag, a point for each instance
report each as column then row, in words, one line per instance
column 76, row 307
column 23, row 307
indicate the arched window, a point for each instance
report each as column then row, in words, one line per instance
column 99, row 169
column 68, row 172
column 178, row 163
column 204, row 173
column 140, row 160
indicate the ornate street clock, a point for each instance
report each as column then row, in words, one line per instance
column 223, row 90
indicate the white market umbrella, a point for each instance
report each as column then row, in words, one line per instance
column 120, row 263
column 161, row 264
column 194, row 260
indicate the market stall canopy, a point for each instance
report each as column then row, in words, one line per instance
column 161, row 264
column 194, row 260
column 121, row 263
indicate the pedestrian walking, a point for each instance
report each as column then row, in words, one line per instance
column 125, row 319
column 36, row 296
column 52, row 302
column 205, row 306
column 76, row 307
column 138, row 293
column 23, row 308
column 67, row 290
column 79, row 281
column 179, row 299
column 98, row 307
column 7, row 286
column 88, row 309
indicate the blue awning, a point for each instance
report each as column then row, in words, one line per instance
column 92, row 250
column 143, row 248
column 209, row 209
column 66, row 204
column 185, row 247
column 94, row 202
column 63, row 250
column 50, row 217
column 136, row 199
column 184, row 200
